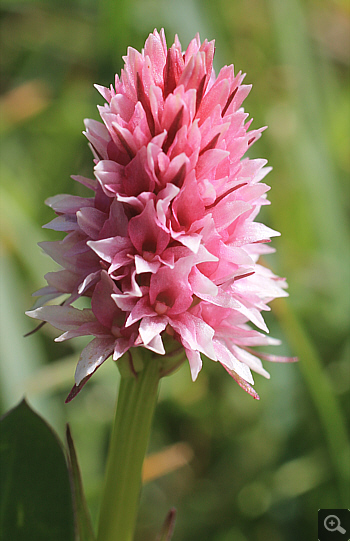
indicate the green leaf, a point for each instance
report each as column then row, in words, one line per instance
column 36, row 502
column 83, row 524
column 168, row 526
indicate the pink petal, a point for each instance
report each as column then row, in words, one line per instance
column 145, row 233
column 102, row 303
column 141, row 309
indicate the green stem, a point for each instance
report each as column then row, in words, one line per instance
column 135, row 407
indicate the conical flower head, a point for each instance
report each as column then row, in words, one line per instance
column 168, row 241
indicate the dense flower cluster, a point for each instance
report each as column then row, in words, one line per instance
column 167, row 243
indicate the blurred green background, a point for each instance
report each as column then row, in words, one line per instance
column 252, row 470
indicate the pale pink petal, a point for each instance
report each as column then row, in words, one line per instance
column 227, row 212
column 62, row 280
column 102, row 303
column 195, row 333
column 110, row 175
column 68, row 204
column 231, row 362
column 92, row 356
column 88, row 281
column 195, row 362
column 63, row 223
column 121, row 346
column 250, row 360
column 86, row 329
column 142, row 265
column 88, row 182
column 91, row 221
column 107, row 248
column 156, row 345
column 243, row 383
column 151, row 327
column 141, row 309
column 62, row 317
column 201, row 285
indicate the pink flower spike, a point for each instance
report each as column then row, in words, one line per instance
column 168, row 242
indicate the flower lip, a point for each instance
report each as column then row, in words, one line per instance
column 161, row 308
column 177, row 298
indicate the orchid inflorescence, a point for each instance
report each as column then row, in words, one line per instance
column 168, row 243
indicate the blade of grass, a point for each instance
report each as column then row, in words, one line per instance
column 83, row 525
column 323, row 396
column 313, row 166
column 312, row 163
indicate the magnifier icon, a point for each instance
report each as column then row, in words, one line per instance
column 332, row 524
